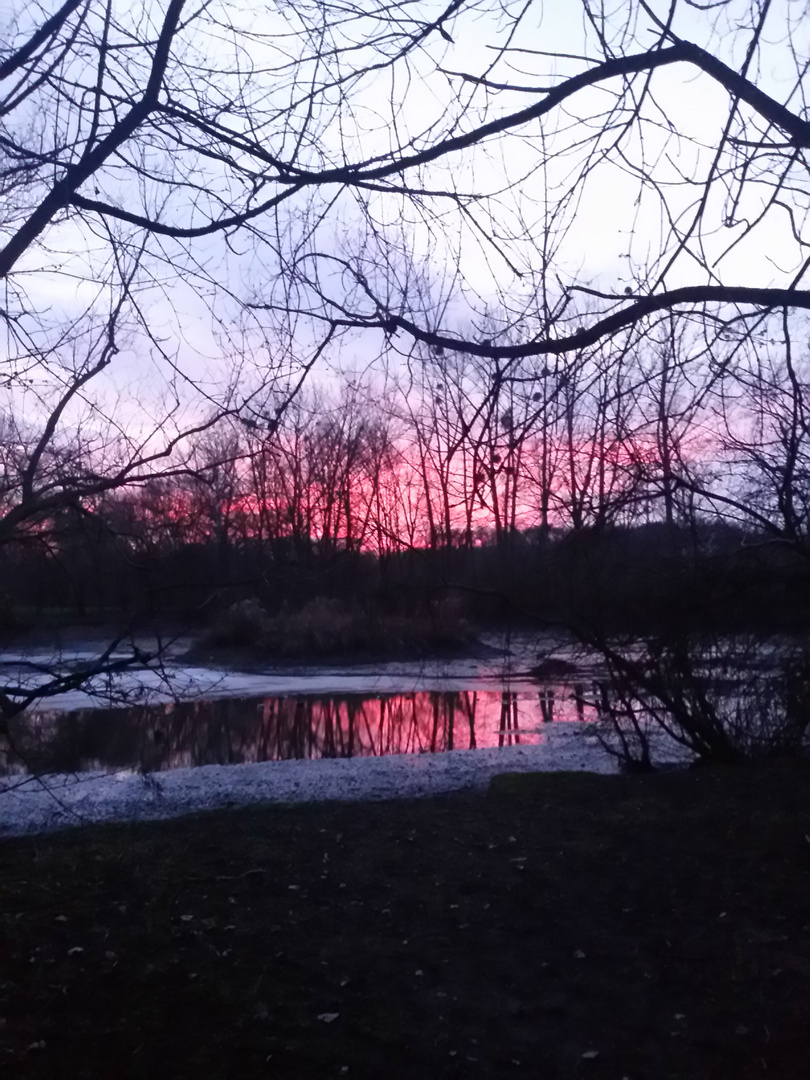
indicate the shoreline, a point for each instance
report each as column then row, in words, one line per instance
column 32, row 804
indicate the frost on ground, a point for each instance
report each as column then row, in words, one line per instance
column 32, row 804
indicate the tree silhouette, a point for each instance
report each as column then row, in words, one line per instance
column 205, row 201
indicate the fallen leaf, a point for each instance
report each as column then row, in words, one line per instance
column 590, row 1054
column 74, row 950
column 328, row 1018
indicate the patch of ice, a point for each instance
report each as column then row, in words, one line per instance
column 186, row 681
column 53, row 802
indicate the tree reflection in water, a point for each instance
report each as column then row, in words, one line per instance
column 241, row 730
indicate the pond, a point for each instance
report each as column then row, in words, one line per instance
column 190, row 717
column 238, row 730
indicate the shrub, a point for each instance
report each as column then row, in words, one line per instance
column 242, row 625
column 717, row 701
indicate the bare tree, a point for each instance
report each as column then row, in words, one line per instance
column 151, row 159
column 220, row 199
column 703, row 190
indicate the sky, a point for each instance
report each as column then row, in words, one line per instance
column 614, row 228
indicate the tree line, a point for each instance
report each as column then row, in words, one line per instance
column 673, row 444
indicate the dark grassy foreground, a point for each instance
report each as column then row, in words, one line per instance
column 562, row 926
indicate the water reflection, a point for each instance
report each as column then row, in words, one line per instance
column 239, row 730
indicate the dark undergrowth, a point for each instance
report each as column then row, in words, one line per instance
column 324, row 629
column 562, row 926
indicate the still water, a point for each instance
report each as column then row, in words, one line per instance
column 231, row 731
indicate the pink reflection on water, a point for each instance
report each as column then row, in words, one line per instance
column 244, row 730
column 420, row 722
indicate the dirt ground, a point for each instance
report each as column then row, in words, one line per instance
column 561, row 926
